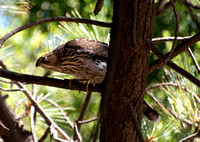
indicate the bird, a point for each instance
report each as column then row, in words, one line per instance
column 85, row 59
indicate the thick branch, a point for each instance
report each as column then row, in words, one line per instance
column 179, row 49
column 52, row 19
column 31, row 79
column 14, row 132
column 162, row 58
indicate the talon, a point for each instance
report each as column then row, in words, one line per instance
column 70, row 82
column 90, row 81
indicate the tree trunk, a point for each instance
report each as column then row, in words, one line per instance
column 128, row 66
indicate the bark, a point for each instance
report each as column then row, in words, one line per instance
column 11, row 129
column 128, row 66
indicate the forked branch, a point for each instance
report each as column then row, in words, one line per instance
column 179, row 49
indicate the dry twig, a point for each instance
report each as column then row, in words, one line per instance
column 194, row 60
column 176, row 30
column 163, row 7
column 48, row 120
column 81, row 116
column 191, row 137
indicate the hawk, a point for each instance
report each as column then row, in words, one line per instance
column 84, row 59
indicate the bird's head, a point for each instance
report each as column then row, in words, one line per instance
column 47, row 61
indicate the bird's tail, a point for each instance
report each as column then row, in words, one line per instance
column 150, row 113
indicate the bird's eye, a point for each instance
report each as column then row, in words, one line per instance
column 44, row 59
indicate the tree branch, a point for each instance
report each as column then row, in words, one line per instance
column 82, row 114
column 14, row 132
column 62, row 112
column 33, row 113
column 192, row 14
column 176, row 30
column 174, row 85
column 87, row 121
column 31, row 79
column 98, row 6
column 52, row 19
column 160, row 8
column 164, row 39
column 189, row 4
column 162, row 58
column 179, row 49
column 191, row 137
column 194, row 60
column 47, row 119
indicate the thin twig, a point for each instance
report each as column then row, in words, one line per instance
column 194, row 60
column 162, row 60
column 160, row 104
column 168, row 110
column 176, row 30
column 52, row 19
column 179, row 49
column 174, row 85
column 188, row 3
column 33, row 114
column 82, row 114
column 62, row 112
column 163, row 7
column 160, row 85
column 165, row 39
column 47, row 119
column 191, row 137
column 11, row 90
column 5, row 81
column 45, row 135
column 192, row 14
column 77, row 133
column 87, row 121
column 55, row 135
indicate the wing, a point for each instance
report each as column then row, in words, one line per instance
column 91, row 46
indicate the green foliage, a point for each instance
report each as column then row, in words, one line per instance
column 21, row 51
column 178, row 106
column 57, row 103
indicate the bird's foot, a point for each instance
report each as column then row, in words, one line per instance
column 85, row 82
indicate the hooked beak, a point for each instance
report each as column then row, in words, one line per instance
column 37, row 63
